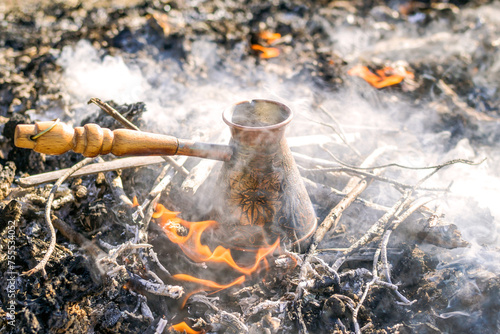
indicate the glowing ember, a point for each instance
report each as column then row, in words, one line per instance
column 184, row 328
column 387, row 76
column 269, row 36
column 266, row 52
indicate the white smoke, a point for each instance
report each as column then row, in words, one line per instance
column 191, row 106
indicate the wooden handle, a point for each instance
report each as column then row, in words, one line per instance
column 92, row 140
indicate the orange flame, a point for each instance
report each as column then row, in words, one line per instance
column 266, row 52
column 184, row 328
column 269, row 36
column 385, row 77
column 191, row 243
column 135, row 202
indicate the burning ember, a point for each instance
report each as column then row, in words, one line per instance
column 384, row 77
column 266, row 52
column 184, row 328
column 268, row 38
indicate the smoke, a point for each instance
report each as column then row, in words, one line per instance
column 187, row 100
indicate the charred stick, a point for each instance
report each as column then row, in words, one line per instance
column 160, row 187
column 115, row 183
column 394, row 287
column 463, row 106
column 395, row 223
column 154, row 256
column 143, row 234
column 207, row 301
column 376, row 230
column 61, row 201
column 73, row 236
column 333, row 217
column 228, row 323
column 114, row 253
column 326, row 196
column 354, row 188
column 264, row 306
column 171, row 291
column 151, row 201
column 160, row 327
column 113, row 113
column 41, row 265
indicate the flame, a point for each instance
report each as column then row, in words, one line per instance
column 266, row 52
column 191, row 243
column 209, row 285
column 387, row 76
column 269, row 36
column 193, row 248
column 135, row 202
column 184, row 328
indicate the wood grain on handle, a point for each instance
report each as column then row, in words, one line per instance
column 91, row 140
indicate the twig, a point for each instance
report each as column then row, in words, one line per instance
column 115, row 183
column 395, row 223
column 375, row 230
column 371, row 175
column 327, row 196
column 233, row 322
column 354, row 187
column 154, row 256
column 355, row 312
column 114, row 253
column 95, row 168
column 375, row 279
column 338, row 132
column 471, row 112
column 171, row 291
column 333, row 217
column 160, row 327
column 447, row 163
column 113, row 113
column 73, row 236
column 41, row 265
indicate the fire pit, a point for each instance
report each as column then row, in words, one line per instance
column 377, row 213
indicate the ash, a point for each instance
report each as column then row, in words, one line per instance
column 399, row 248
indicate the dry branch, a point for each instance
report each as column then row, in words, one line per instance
column 99, row 167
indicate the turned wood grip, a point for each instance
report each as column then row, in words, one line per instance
column 92, row 140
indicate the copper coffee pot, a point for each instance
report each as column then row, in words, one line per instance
column 262, row 196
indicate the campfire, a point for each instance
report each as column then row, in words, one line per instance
column 214, row 167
